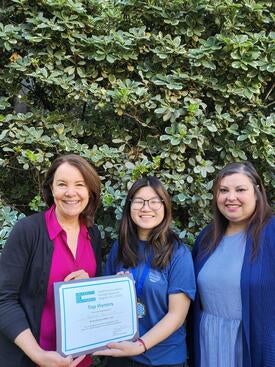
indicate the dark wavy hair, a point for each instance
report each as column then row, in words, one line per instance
column 91, row 179
column 161, row 239
column 262, row 213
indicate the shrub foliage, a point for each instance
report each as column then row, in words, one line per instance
column 172, row 88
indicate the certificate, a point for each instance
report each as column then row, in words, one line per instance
column 93, row 312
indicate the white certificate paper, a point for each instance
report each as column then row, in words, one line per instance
column 93, row 312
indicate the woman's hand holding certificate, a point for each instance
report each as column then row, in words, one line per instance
column 122, row 349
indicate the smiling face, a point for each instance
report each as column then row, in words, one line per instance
column 146, row 218
column 70, row 192
column 236, row 200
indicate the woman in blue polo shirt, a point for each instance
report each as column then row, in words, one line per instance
column 164, row 277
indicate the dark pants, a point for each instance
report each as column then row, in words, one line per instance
column 127, row 362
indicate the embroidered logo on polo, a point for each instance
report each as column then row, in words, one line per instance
column 154, row 276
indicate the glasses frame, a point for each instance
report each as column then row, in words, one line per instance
column 144, row 201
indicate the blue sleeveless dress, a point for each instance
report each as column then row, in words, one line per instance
column 220, row 293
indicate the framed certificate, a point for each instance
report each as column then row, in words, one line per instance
column 93, row 312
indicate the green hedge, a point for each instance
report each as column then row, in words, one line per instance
column 172, row 88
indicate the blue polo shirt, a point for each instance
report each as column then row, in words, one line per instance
column 176, row 277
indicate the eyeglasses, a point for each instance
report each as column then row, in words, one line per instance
column 138, row 203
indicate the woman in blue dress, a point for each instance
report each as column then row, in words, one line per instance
column 233, row 318
column 164, row 278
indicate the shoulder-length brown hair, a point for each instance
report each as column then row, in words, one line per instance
column 257, row 220
column 91, row 179
column 161, row 238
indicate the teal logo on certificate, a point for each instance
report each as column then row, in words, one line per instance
column 85, row 297
column 140, row 310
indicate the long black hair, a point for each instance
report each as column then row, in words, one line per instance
column 161, row 239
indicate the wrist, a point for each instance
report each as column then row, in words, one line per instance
column 26, row 341
column 141, row 344
column 38, row 356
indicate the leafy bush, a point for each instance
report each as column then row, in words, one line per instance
column 8, row 218
column 172, row 88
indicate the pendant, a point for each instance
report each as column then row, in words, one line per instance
column 141, row 311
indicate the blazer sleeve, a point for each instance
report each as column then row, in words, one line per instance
column 265, row 331
column 14, row 264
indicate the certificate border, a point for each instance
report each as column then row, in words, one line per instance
column 60, row 301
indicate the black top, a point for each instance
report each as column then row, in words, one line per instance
column 24, row 272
